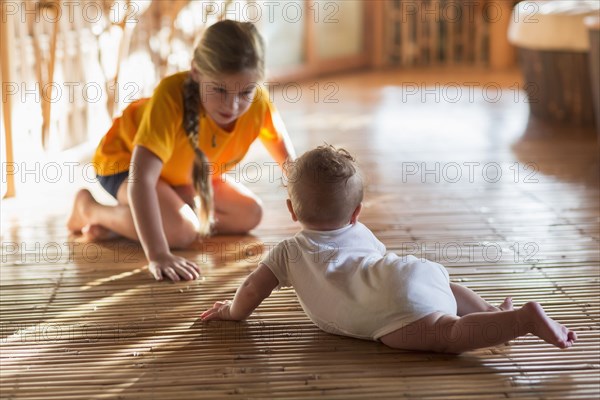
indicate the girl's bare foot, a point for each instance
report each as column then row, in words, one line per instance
column 546, row 328
column 506, row 304
column 97, row 233
column 78, row 218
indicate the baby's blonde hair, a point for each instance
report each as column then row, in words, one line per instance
column 226, row 47
column 325, row 187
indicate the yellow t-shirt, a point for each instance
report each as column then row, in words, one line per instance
column 157, row 124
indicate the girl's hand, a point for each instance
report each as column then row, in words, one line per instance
column 219, row 311
column 173, row 267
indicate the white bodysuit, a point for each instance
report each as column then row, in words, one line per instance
column 348, row 285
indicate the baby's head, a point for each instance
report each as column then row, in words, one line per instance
column 325, row 188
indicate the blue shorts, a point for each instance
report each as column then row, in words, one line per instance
column 112, row 183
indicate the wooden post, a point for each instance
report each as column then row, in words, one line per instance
column 6, row 50
column 502, row 53
column 375, row 32
column 46, row 100
column 310, row 39
column 593, row 25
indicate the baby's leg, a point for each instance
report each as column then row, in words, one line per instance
column 450, row 334
column 470, row 302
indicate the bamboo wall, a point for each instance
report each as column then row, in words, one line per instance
column 74, row 66
column 447, row 32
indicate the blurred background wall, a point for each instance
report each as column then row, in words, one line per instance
column 69, row 67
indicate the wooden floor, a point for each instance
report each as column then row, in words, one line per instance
column 510, row 206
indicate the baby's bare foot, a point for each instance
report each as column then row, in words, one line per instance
column 506, row 304
column 77, row 220
column 546, row 328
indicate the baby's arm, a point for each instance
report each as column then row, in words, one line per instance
column 257, row 286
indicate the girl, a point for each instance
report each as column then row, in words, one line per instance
column 179, row 142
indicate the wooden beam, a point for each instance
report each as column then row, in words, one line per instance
column 6, row 50
column 47, row 95
column 310, row 39
column 375, row 33
column 502, row 53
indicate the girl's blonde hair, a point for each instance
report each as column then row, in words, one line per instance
column 226, row 47
column 229, row 47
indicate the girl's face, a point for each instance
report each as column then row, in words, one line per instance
column 228, row 96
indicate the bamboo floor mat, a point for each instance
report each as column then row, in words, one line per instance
column 85, row 320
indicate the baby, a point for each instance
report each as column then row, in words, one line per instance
column 348, row 285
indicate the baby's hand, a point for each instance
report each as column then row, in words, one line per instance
column 174, row 267
column 219, row 311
